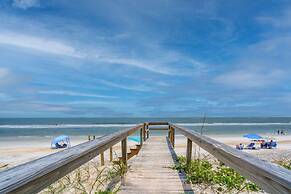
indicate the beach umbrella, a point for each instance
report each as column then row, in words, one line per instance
column 61, row 138
column 253, row 136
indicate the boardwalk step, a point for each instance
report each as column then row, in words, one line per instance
column 133, row 152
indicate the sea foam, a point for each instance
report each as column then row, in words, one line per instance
column 62, row 126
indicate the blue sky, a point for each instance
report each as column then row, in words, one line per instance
column 69, row 58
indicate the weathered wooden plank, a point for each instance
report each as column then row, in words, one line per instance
column 158, row 129
column 172, row 136
column 157, row 123
column 189, row 151
column 110, row 154
column 141, row 136
column 144, row 132
column 151, row 170
column 33, row 176
column 270, row 177
column 124, row 151
column 102, row 159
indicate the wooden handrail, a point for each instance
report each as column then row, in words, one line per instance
column 36, row 175
column 157, row 123
column 270, row 177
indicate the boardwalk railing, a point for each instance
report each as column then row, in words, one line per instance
column 36, row 175
column 270, row 177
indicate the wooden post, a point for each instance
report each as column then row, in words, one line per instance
column 173, row 136
column 170, row 135
column 110, row 154
column 189, row 151
column 141, row 136
column 124, row 151
column 147, row 130
column 102, row 158
column 144, row 132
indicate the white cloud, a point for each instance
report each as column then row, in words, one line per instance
column 281, row 21
column 250, row 78
column 7, row 77
column 140, row 88
column 41, row 44
column 25, row 4
column 248, row 104
column 71, row 93
column 59, row 47
column 266, row 62
column 152, row 66
column 3, row 73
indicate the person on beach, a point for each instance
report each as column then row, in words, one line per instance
column 278, row 131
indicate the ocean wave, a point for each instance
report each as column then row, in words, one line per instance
column 230, row 124
column 62, row 126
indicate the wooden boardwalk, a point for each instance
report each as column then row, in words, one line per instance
column 151, row 170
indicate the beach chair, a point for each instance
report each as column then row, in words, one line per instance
column 239, row 147
column 251, row 146
column 272, row 144
column 264, row 145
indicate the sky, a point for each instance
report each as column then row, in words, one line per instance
column 127, row 58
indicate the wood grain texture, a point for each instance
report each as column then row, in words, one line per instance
column 34, row 176
column 124, row 151
column 151, row 170
column 157, row 123
column 189, row 151
column 159, row 129
column 141, row 136
column 270, row 177
column 102, row 159
column 110, row 154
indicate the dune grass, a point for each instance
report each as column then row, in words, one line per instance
column 284, row 162
column 215, row 176
column 90, row 178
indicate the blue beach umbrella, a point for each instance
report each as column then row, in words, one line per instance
column 61, row 138
column 253, row 136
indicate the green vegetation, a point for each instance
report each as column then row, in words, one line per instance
column 89, row 179
column 219, row 177
column 286, row 163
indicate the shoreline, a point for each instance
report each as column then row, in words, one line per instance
column 15, row 151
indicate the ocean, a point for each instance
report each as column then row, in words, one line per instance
column 48, row 127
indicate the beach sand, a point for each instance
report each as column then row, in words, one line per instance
column 15, row 151
column 283, row 150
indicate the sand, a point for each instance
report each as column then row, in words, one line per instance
column 283, row 149
column 15, row 151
